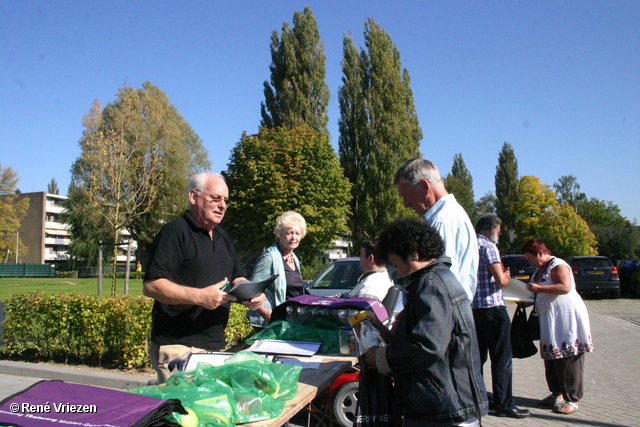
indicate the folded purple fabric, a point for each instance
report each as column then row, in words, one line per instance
column 56, row 403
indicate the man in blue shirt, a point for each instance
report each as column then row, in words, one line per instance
column 421, row 187
column 493, row 325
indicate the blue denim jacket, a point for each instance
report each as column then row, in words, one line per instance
column 434, row 354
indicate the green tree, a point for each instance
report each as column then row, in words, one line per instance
column 618, row 243
column 136, row 157
column 52, row 187
column 279, row 170
column 460, row 183
column 379, row 129
column 507, row 184
column 534, row 199
column 617, row 237
column 486, row 204
column 565, row 232
column 87, row 229
column 568, row 191
column 297, row 93
column 601, row 213
column 12, row 211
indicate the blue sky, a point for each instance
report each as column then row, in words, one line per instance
column 558, row 80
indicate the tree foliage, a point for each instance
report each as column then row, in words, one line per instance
column 460, row 183
column 278, row 170
column 618, row 243
column 297, row 93
column 12, row 211
column 568, row 191
column 52, row 187
column 601, row 213
column 507, row 184
column 379, row 129
column 486, row 204
column 136, row 157
column 565, row 232
column 534, row 199
column 617, row 237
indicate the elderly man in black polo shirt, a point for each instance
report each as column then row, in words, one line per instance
column 190, row 260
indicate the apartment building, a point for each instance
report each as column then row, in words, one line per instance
column 43, row 232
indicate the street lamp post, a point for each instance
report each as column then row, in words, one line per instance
column 17, row 244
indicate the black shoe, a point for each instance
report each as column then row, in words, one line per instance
column 513, row 413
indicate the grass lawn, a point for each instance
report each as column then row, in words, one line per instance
column 10, row 286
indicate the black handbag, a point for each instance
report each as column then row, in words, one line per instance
column 522, row 344
column 534, row 324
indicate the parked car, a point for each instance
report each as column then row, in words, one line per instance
column 634, row 279
column 595, row 275
column 519, row 267
column 336, row 278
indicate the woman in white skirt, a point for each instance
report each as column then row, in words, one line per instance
column 565, row 334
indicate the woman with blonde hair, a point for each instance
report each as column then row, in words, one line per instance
column 279, row 259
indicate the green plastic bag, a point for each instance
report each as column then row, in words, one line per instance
column 246, row 388
column 322, row 329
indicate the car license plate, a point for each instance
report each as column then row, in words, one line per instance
column 522, row 277
column 595, row 272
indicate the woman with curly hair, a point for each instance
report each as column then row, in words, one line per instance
column 565, row 333
column 433, row 353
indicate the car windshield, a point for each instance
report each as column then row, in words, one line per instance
column 591, row 262
column 339, row 275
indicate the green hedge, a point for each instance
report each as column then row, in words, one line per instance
column 111, row 331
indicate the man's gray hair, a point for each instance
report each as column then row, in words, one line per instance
column 416, row 169
column 199, row 181
column 487, row 222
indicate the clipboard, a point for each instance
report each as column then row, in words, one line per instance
column 246, row 290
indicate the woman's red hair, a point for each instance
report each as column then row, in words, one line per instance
column 534, row 247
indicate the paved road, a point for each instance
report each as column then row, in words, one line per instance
column 612, row 375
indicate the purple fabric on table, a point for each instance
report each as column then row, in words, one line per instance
column 56, row 403
column 279, row 313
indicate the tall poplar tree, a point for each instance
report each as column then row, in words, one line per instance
column 297, row 93
column 460, row 183
column 507, row 184
column 379, row 129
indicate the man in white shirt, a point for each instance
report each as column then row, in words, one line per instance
column 374, row 281
column 421, row 187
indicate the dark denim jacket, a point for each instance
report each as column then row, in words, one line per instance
column 433, row 349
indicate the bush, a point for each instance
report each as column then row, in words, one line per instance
column 112, row 331
column 66, row 274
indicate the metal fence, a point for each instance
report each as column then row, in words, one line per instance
column 27, row 270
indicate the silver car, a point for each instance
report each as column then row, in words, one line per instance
column 339, row 277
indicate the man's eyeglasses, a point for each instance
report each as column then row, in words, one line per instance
column 214, row 199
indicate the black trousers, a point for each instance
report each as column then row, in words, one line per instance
column 566, row 376
column 493, row 328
